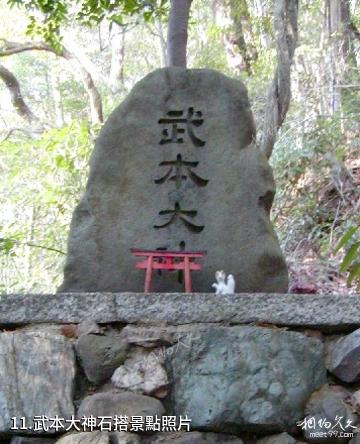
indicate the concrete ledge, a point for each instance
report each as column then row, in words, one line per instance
column 326, row 312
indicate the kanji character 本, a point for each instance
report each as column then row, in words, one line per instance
column 179, row 165
column 56, row 423
column 179, row 213
column 176, row 118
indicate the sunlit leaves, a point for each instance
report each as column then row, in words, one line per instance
column 42, row 181
column 46, row 17
column 7, row 246
column 351, row 260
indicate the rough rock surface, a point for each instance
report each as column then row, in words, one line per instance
column 191, row 438
column 143, row 373
column 216, row 174
column 113, row 403
column 100, row 355
column 97, row 437
column 37, row 373
column 330, row 403
column 124, row 438
column 87, row 327
column 327, row 312
column 155, row 336
column 343, row 359
column 280, row 438
column 240, row 378
column 85, row 438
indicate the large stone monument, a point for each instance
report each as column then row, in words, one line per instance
column 175, row 168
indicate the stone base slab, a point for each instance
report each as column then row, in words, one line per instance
column 325, row 312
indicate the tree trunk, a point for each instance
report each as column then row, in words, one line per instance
column 56, row 99
column 177, row 32
column 239, row 14
column 343, row 40
column 116, row 75
column 17, row 100
column 89, row 85
column 278, row 100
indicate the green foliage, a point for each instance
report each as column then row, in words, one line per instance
column 314, row 161
column 315, row 193
column 351, row 260
column 41, row 183
column 53, row 15
column 212, row 54
column 7, row 246
column 94, row 11
column 46, row 17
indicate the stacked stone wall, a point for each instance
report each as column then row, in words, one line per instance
column 177, row 368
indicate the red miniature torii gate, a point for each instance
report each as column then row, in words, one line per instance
column 168, row 260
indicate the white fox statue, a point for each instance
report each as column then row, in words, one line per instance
column 223, row 285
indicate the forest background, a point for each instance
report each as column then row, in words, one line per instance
column 55, row 94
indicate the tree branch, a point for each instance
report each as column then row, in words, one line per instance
column 8, row 48
column 17, row 100
column 278, row 100
column 26, row 131
column 239, row 14
column 30, row 244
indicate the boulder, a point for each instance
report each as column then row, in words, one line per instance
column 124, row 438
column 85, row 438
column 280, row 438
column 343, row 359
column 192, row 438
column 143, row 373
column 153, row 336
column 355, row 401
column 97, row 437
column 330, row 410
column 100, row 355
column 112, row 403
column 175, row 167
column 87, row 327
column 37, row 373
column 233, row 379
